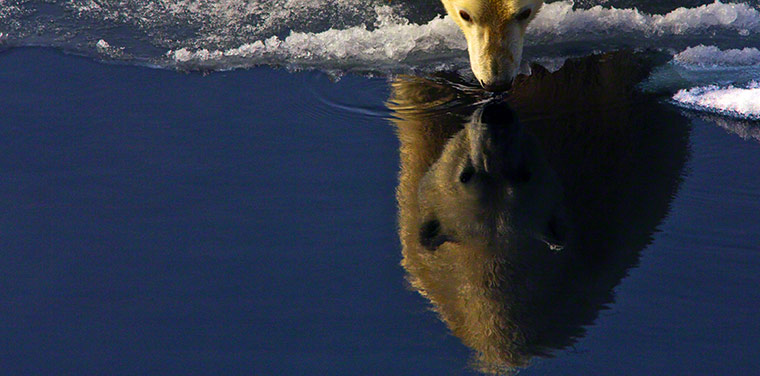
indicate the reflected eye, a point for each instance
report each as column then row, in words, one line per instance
column 522, row 16
column 430, row 235
column 465, row 16
column 466, row 175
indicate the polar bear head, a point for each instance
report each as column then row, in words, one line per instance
column 495, row 33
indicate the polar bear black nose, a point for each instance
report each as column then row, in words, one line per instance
column 496, row 86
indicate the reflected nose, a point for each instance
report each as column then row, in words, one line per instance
column 496, row 86
column 497, row 114
column 495, row 139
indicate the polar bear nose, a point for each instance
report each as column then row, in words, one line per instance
column 496, row 86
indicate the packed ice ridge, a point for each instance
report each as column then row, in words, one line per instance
column 394, row 38
column 712, row 56
column 740, row 102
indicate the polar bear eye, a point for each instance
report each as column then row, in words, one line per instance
column 465, row 16
column 522, row 16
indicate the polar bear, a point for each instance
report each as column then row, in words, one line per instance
column 517, row 220
column 495, row 33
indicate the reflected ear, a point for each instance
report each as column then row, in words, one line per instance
column 431, row 235
column 556, row 233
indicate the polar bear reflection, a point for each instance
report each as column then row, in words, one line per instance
column 517, row 234
column 491, row 184
column 486, row 243
column 491, row 192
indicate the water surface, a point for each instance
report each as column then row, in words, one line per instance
column 245, row 220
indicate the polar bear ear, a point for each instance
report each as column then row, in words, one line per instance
column 431, row 235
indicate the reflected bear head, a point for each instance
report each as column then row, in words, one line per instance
column 488, row 238
column 491, row 184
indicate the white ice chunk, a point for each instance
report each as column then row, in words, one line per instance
column 707, row 56
column 741, row 102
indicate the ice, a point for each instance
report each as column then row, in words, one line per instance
column 394, row 39
column 558, row 19
column 739, row 102
column 359, row 35
column 712, row 56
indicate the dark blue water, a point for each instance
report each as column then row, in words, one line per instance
column 154, row 222
column 691, row 305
